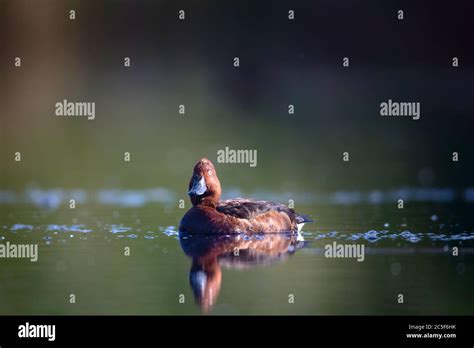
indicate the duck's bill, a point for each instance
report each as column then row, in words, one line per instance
column 198, row 186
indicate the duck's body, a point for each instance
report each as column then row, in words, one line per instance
column 211, row 215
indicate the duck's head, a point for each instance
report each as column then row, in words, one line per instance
column 204, row 186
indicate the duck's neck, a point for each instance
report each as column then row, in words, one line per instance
column 210, row 202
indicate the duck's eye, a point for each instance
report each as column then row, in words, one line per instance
column 209, row 173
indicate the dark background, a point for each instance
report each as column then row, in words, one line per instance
column 282, row 62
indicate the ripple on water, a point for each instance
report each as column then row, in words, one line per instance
column 409, row 236
column 169, row 231
column 119, row 229
column 66, row 228
column 373, row 236
column 17, row 227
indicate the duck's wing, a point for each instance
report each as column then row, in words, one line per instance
column 248, row 209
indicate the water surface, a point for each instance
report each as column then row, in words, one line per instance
column 82, row 252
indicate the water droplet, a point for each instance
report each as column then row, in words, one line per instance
column 170, row 231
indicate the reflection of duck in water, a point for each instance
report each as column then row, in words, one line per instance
column 211, row 215
column 210, row 252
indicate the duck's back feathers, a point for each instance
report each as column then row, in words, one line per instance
column 248, row 209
